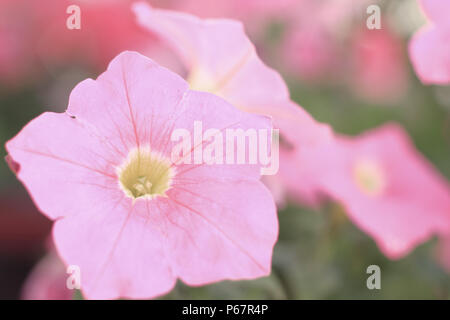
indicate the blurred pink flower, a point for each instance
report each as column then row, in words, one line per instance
column 255, row 14
column 220, row 59
column 47, row 280
column 379, row 73
column 313, row 37
column 34, row 36
column 429, row 48
column 308, row 52
column 388, row 189
column 132, row 220
column 107, row 28
column 16, row 50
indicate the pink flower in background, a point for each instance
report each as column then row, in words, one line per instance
column 16, row 50
column 388, row 189
column 313, row 37
column 34, row 36
column 429, row 49
column 379, row 73
column 220, row 59
column 107, row 28
column 233, row 8
column 308, row 52
column 47, row 280
column 255, row 14
column 132, row 220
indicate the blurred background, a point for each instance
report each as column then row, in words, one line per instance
column 341, row 72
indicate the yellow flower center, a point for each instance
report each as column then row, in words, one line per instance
column 200, row 80
column 369, row 177
column 145, row 174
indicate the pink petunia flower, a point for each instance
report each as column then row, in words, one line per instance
column 309, row 52
column 314, row 34
column 220, row 59
column 429, row 48
column 379, row 74
column 131, row 219
column 388, row 189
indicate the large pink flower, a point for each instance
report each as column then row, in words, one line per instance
column 131, row 219
column 429, row 49
column 220, row 59
column 388, row 189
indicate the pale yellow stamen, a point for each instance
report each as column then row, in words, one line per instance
column 369, row 176
column 201, row 80
column 145, row 174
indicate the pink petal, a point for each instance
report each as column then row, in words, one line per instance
column 119, row 248
column 429, row 51
column 62, row 163
column 379, row 72
column 219, row 56
column 221, row 52
column 437, row 11
column 218, row 114
column 229, row 230
column 308, row 51
column 117, row 103
column 13, row 166
column 192, row 37
column 415, row 203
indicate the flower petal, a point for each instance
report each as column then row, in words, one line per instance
column 429, row 50
column 120, row 250
column 124, row 102
column 437, row 11
column 414, row 203
column 125, row 247
column 192, row 37
column 62, row 163
column 231, row 227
